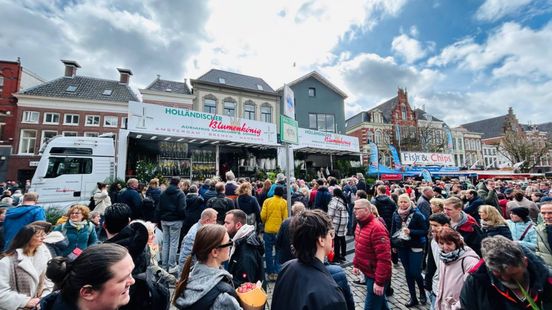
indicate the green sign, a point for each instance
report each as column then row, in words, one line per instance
column 289, row 131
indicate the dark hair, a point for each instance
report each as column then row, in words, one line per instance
column 92, row 267
column 439, row 218
column 305, row 229
column 23, row 238
column 337, row 192
column 239, row 216
column 447, row 234
column 381, row 189
column 320, row 182
column 278, row 191
column 101, row 185
column 362, row 194
column 174, row 181
column 518, row 195
column 117, row 217
column 332, row 181
column 208, row 238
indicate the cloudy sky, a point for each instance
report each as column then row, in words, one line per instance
column 463, row 60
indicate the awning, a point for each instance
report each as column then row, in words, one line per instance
column 170, row 138
column 325, row 151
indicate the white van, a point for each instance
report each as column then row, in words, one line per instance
column 70, row 167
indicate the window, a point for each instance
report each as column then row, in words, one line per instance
column 91, row 134
column 70, row 133
column 266, row 114
column 92, row 120
column 71, row 88
column 71, row 119
column 312, row 92
column 249, row 110
column 379, row 137
column 124, row 123
column 322, row 122
column 51, row 118
column 68, row 165
column 1, row 83
column 403, row 111
column 229, row 108
column 210, row 106
column 107, row 92
column 222, row 80
column 47, row 135
column 260, row 87
column 111, row 121
column 31, row 117
column 27, row 141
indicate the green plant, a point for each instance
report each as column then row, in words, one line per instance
column 53, row 215
column 145, row 170
column 528, row 297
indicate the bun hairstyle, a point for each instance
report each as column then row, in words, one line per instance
column 92, row 267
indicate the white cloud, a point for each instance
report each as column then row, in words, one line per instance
column 510, row 51
column 493, row 10
column 408, row 48
column 414, row 31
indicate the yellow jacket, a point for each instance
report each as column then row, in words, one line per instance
column 273, row 213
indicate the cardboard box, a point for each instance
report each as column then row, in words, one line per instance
column 252, row 300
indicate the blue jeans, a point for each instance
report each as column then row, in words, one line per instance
column 431, row 297
column 412, row 263
column 272, row 261
column 374, row 302
column 339, row 276
column 171, row 236
column 350, row 220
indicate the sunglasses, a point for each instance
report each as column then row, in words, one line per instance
column 225, row 245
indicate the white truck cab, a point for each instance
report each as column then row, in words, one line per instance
column 70, row 167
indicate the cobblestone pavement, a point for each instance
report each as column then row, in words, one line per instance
column 397, row 301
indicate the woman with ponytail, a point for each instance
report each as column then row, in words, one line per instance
column 206, row 285
column 99, row 278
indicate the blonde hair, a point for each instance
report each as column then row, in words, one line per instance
column 244, row 189
column 493, row 216
column 438, row 202
column 154, row 183
column 375, row 211
column 82, row 208
column 405, row 197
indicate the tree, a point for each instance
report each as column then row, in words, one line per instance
column 518, row 147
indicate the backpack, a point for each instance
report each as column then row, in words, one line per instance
column 208, row 299
column 92, row 203
column 158, row 286
column 148, row 204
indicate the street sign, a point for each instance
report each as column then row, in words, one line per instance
column 289, row 102
column 289, row 131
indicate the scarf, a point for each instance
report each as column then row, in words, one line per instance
column 78, row 225
column 451, row 256
column 243, row 232
column 484, row 224
column 462, row 221
column 404, row 213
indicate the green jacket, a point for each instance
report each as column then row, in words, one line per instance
column 543, row 248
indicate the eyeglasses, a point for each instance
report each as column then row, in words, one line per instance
column 76, row 213
column 225, row 245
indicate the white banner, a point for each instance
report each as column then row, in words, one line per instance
column 417, row 158
column 326, row 141
column 289, row 102
column 168, row 121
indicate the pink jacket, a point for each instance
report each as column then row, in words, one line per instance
column 451, row 280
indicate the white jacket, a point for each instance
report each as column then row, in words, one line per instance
column 10, row 299
column 102, row 201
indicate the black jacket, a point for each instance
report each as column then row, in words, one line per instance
column 283, row 242
column 473, row 207
column 133, row 199
column 306, row 286
column 418, row 228
column 222, row 205
column 54, row 301
column 502, row 230
column 298, row 196
column 247, row 263
column 482, row 290
column 249, row 205
column 134, row 238
column 322, row 199
column 172, row 204
column 195, row 204
column 386, row 207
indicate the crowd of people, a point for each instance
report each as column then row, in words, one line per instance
column 462, row 246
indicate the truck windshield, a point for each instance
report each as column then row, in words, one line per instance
column 68, row 165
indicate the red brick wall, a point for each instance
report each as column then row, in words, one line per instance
column 11, row 71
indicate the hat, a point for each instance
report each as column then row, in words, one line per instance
column 521, row 212
column 280, row 177
column 508, row 191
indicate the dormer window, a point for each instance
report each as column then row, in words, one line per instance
column 107, row 92
column 260, row 87
column 71, row 88
column 222, row 80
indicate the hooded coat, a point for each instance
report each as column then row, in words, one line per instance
column 386, row 207
column 18, row 217
column 451, row 279
column 246, row 263
column 201, row 280
column 172, row 204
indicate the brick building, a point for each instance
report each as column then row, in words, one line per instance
column 71, row 105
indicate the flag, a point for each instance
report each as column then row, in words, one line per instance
column 449, row 139
column 395, row 155
column 426, row 175
column 398, row 134
column 374, row 160
column 474, row 164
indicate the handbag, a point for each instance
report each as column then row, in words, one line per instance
column 399, row 238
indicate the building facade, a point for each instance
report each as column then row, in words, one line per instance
column 168, row 93
column 71, row 105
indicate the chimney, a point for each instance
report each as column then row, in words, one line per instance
column 70, row 68
column 124, row 75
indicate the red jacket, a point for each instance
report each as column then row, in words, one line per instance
column 373, row 250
